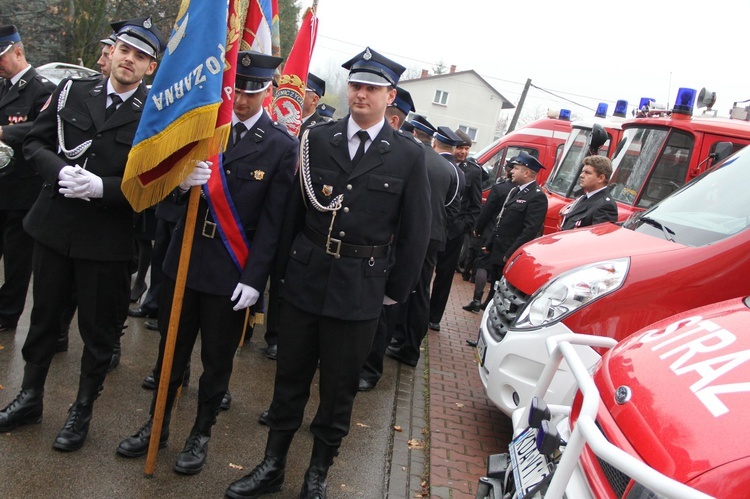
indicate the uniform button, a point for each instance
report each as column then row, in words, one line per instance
column 98, row 136
column 229, row 172
column 346, row 209
column 385, row 185
column 92, row 155
column 349, row 187
column 342, row 233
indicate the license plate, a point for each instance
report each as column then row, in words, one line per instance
column 481, row 349
column 531, row 469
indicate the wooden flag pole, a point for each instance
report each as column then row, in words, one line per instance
column 174, row 322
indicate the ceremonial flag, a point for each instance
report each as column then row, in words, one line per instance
column 178, row 126
column 275, row 33
column 287, row 105
column 258, row 27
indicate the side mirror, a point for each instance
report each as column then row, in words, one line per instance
column 723, row 150
column 599, row 137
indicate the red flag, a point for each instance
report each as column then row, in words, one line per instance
column 287, row 105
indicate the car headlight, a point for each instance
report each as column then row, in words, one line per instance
column 563, row 295
column 638, row 491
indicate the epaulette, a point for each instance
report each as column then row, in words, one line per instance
column 473, row 161
column 284, row 129
column 95, row 77
column 409, row 137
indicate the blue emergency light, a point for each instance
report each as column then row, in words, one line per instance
column 621, row 108
column 645, row 102
column 684, row 102
column 565, row 114
column 601, row 110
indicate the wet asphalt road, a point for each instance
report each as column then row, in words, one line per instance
column 31, row 468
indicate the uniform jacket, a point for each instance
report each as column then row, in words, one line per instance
column 491, row 208
column 592, row 210
column 444, row 196
column 522, row 220
column 312, row 120
column 386, row 199
column 471, row 201
column 18, row 110
column 100, row 229
column 259, row 171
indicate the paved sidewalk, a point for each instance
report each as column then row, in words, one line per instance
column 464, row 426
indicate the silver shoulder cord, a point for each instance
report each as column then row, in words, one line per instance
column 458, row 182
column 307, row 188
column 77, row 151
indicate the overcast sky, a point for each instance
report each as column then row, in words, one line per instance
column 586, row 51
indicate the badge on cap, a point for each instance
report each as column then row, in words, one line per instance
column 367, row 55
column 246, row 60
column 147, row 23
column 259, row 174
column 327, row 190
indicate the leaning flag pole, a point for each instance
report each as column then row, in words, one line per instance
column 287, row 105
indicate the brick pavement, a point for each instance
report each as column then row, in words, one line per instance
column 465, row 427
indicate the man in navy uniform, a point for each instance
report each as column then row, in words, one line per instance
column 595, row 205
column 82, row 224
column 23, row 92
column 471, row 204
column 363, row 194
column 521, row 218
column 315, row 90
column 259, row 168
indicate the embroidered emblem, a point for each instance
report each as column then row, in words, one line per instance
column 246, row 60
column 368, row 55
column 259, row 174
column 327, row 190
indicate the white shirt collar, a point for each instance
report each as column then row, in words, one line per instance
column 524, row 186
column 19, row 75
column 124, row 96
column 352, row 128
column 589, row 194
column 250, row 122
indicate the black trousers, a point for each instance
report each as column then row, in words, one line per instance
column 390, row 319
column 101, row 289
column 163, row 236
column 418, row 306
column 17, row 249
column 220, row 329
column 341, row 347
column 444, row 270
column 273, row 308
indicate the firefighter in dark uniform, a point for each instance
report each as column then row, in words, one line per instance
column 82, row 224
column 316, row 89
column 363, row 194
column 471, row 204
column 23, row 92
column 259, row 169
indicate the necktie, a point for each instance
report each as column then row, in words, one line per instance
column 116, row 100
column 363, row 138
column 237, row 130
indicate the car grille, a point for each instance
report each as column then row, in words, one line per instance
column 617, row 479
column 506, row 304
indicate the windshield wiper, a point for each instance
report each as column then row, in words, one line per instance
column 666, row 230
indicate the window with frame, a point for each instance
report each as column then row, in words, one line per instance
column 441, row 97
column 470, row 131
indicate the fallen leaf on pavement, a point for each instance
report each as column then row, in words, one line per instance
column 459, row 404
column 415, row 443
column 236, row 466
column 397, row 428
column 362, row 425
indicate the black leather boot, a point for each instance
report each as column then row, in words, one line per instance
column 268, row 476
column 150, row 382
column 192, row 458
column 314, row 486
column 76, row 427
column 136, row 445
column 28, row 405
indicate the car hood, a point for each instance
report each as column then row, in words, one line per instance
column 538, row 261
column 687, row 377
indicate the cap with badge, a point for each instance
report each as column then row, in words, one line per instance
column 255, row 71
column 8, row 36
column 316, row 85
column 370, row 68
column 326, row 110
column 446, row 136
column 421, row 124
column 464, row 139
column 110, row 40
column 528, row 161
column 141, row 34
column 403, row 101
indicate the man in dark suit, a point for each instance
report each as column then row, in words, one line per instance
column 364, row 194
column 82, row 224
column 316, row 88
column 23, row 92
column 595, row 205
column 258, row 169
column 521, row 218
column 471, row 204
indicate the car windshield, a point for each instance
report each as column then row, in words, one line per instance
column 711, row 208
column 565, row 176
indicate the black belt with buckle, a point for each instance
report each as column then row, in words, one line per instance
column 337, row 248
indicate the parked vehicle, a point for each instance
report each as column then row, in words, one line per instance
column 663, row 415
column 608, row 280
column 58, row 71
column 658, row 152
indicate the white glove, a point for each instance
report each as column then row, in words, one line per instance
column 81, row 185
column 67, row 172
column 199, row 176
column 247, row 296
column 388, row 301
